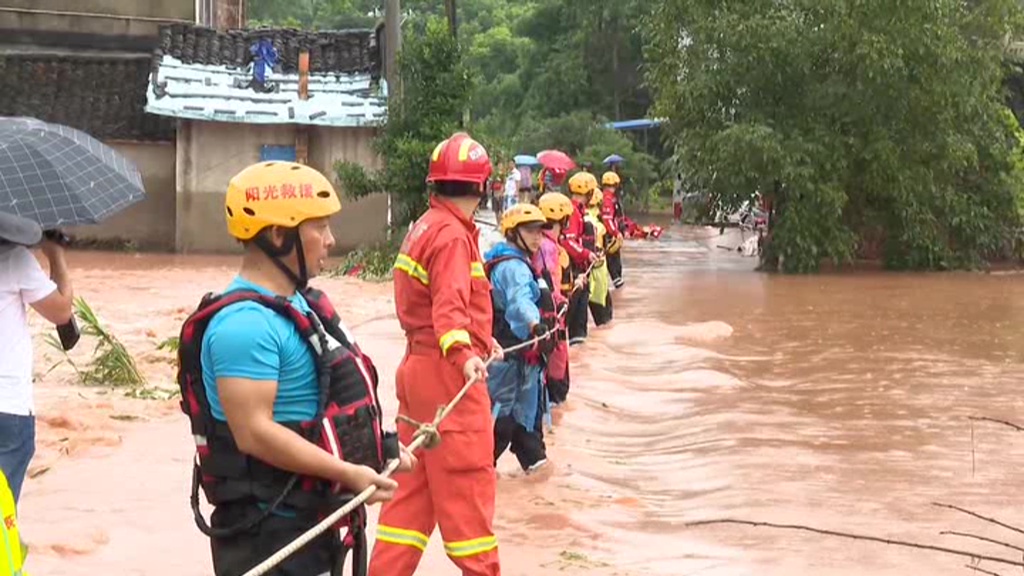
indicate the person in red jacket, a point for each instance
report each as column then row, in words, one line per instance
column 443, row 302
column 611, row 217
column 574, row 239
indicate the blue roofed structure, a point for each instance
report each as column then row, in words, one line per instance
column 642, row 124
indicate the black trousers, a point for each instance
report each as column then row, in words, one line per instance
column 602, row 313
column 236, row 555
column 615, row 268
column 576, row 320
column 558, row 388
column 528, row 447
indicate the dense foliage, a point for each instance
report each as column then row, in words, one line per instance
column 526, row 75
column 874, row 128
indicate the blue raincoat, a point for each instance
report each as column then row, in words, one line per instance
column 516, row 388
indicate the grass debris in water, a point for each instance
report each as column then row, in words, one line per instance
column 111, row 364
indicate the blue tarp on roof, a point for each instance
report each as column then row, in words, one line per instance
column 633, row 124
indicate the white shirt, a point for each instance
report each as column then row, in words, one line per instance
column 512, row 183
column 677, row 190
column 22, row 282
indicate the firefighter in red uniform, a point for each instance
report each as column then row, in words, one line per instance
column 611, row 217
column 443, row 302
column 581, row 185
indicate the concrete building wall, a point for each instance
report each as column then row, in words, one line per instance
column 149, row 224
column 210, row 153
column 101, row 17
column 179, row 9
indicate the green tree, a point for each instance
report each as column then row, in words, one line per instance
column 436, row 88
column 865, row 124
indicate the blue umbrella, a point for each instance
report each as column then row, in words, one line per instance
column 614, row 159
column 526, row 160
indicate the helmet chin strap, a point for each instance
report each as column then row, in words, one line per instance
column 292, row 242
column 520, row 242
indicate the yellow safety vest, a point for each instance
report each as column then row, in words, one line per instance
column 12, row 553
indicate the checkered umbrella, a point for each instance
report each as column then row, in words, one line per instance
column 59, row 176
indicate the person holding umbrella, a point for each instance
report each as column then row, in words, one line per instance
column 51, row 176
column 22, row 284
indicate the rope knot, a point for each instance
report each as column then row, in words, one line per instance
column 425, row 429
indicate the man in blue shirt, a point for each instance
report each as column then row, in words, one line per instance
column 260, row 378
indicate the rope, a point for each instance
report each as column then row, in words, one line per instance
column 426, row 436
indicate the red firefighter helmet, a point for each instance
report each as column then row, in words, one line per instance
column 460, row 159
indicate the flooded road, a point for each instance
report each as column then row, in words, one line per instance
column 836, row 401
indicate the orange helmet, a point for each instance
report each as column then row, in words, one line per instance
column 460, row 159
column 276, row 193
column 555, row 206
column 610, row 179
column 582, row 183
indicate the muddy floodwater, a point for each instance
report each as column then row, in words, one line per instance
column 839, row 401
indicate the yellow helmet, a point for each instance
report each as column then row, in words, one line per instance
column 277, row 194
column 610, row 179
column 555, row 206
column 582, row 183
column 595, row 198
column 521, row 214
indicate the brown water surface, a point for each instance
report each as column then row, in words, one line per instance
column 838, row 401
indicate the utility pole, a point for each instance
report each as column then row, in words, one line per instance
column 392, row 44
column 451, row 11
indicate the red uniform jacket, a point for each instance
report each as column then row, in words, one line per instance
column 442, row 296
column 572, row 238
column 609, row 212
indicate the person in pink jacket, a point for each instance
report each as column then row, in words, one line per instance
column 555, row 260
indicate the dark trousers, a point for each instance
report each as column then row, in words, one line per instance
column 576, row 320
column 17, row 446
column 615, row 268
column 235, row 555
column 558, row 388
column 602, row 313
column 528, row 446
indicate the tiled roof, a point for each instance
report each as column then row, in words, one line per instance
column 202, row 74
column 102, row 95
column 342, row 51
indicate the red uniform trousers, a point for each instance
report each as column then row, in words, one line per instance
column 453, row 485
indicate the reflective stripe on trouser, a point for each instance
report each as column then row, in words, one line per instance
column 453, row 486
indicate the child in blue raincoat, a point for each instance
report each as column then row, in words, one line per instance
column 523, row 310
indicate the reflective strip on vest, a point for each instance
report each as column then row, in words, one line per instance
column 453, row 337
column 412, row 268
column 402, row 537
column 476, row 270
column 471, row 547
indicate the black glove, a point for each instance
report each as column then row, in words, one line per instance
column 547, row 345
column 539, row 329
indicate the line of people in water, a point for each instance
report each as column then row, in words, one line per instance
column 556, row 269
column 283, row 403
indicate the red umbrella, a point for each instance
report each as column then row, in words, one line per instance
column 556, row 160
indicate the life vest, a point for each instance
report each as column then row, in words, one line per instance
column 348, row 423
column 13, row 552
column 545, row 303
column 567, row 279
